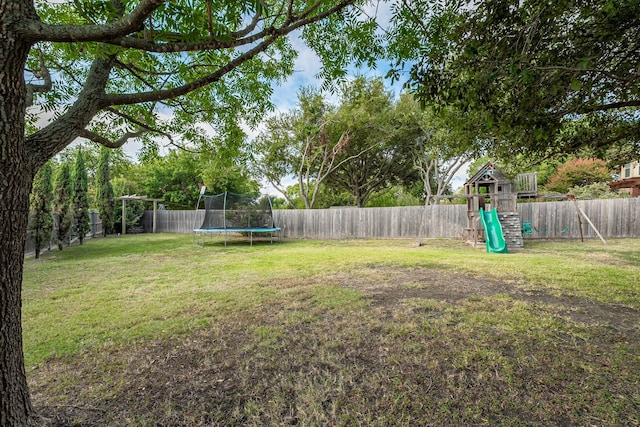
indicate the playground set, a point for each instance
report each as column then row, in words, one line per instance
column 492, row 214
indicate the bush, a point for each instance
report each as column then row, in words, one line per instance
column 579, row 173
column 597, row 190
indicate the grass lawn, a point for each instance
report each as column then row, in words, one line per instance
column 150, row 330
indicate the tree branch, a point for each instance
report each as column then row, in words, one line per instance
column 39, row 31
column 415, row 17
column 42, row 73
column 144, row 127
column 46, row 142
column 248, row 29
column 601, row 107
column 92, row 136
column 237, row 39
column 273, row 35
column 630, row 78
column 274, row 182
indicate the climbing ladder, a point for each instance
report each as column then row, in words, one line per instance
column 512, row 229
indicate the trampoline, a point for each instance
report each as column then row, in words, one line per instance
column 229, row 213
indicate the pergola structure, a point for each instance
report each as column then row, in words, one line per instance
column 143, row 199
column 632, row 183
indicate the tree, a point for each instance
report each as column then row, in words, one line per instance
column 394, row 196
column 173, row 178
column 441, row 145
column 222, row 173
column 377, row 158
column 149, row 69
column 80, row 200
column 105, row 197
column 41, row 222
column 541, row 77
column 119, row 164
column 325, row 198
column 298, row 144
column 62, row 203
column 176, row 177
column 578, row 172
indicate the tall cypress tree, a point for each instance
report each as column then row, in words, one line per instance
column 41, row 221
column 104, row 196
column 62, row 203
column 80, row 198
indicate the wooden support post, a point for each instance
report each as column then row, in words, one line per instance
column 581, row 212
column 155, row 208
column 424, row 208
column 124, row 217
column 580, row 224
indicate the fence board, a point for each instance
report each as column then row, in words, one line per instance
column 614, row 218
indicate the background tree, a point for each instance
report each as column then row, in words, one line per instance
column 41, row 222
column 173, row 178
column 325, row 198
column 176, row 177
column 394, row 196
column 441, row 146
column 228, row 174
column 80, row 199
column 107, row 70
column 541, row 77
column 61, row 205
column 298, row 144
column 119, row 164
column 105, row 197
column 377, row 158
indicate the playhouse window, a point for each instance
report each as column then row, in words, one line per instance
column 627, row 170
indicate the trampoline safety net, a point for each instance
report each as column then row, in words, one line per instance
column 229, row 210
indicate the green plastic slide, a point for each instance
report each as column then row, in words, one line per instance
column 493, row 231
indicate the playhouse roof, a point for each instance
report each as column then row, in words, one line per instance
column 487, row 173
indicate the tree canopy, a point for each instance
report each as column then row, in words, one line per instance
column 110, row 71
column 579, row 173
column 379, row 158
column 533, row 77
column 439, row 147
column 301, row 143
column 176, row 177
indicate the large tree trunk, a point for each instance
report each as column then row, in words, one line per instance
column 16, row 176
column 15, row 184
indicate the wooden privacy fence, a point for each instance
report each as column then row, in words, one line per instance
column 556, row 220
column 544, row 220
column 396, row 222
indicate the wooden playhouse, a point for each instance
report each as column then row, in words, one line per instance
column 490, row 188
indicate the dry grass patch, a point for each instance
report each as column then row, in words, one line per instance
column 354, row 339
